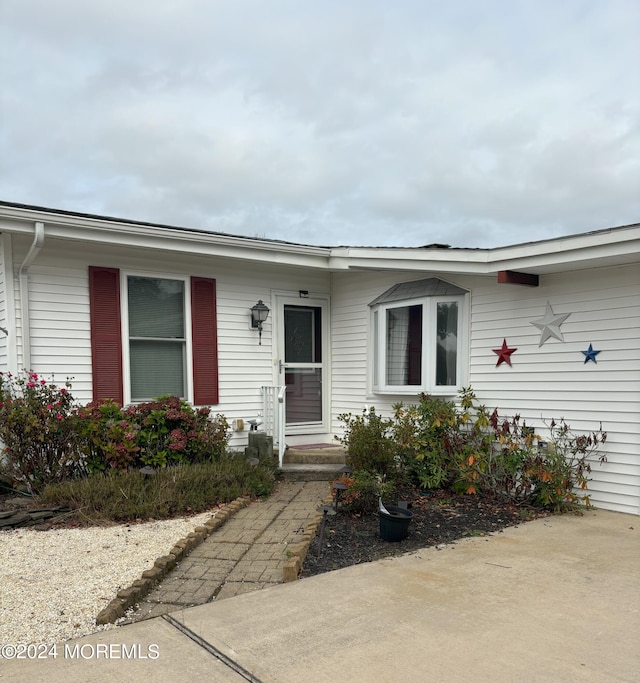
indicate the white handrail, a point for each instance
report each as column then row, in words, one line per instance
column 274, row 412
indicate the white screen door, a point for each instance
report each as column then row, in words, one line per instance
column 302, row 342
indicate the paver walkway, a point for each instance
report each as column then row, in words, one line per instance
column 247, row 553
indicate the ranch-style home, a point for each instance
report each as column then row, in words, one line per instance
column 133, row 310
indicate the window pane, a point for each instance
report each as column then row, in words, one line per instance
column 156, row 307
column 447, row 344
column 304, row 395
column 302, row 340
column 157, row 368
column 404, row 346
column 376, row 349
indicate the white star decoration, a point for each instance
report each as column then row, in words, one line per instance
column 550, row 325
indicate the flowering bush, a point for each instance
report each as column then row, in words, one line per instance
column 157, row 433
column 38, row 433
column 45, row 438
column 107, row 439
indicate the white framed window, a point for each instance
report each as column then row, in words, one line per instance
column 156, row 329
column 419, row 343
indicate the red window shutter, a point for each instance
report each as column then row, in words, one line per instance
column 204, row 340
column 106, row 337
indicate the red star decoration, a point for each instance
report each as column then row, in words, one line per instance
column 504, row 354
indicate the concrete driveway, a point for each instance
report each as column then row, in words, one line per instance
column 557, row 599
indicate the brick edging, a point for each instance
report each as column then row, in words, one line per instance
column 297, row 553
column 127, row 597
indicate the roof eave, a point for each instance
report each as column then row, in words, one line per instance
column 96, row 230
column 603, row 247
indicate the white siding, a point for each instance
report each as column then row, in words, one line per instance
column 10, row 345
column 554, row 381
column 60, row 337
column 3, row 308
column 544, row 382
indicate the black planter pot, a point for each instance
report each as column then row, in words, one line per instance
column 394, row 523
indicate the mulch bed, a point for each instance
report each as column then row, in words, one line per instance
column 438, row 518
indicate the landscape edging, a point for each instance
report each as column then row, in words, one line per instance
column 140, row 588
column 297, row 553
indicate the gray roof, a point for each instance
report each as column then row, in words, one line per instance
column 432, row 286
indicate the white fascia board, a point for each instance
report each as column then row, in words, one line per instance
column 604, row 244
column 108, row 232
column 202, row 245
column 606, row 247
column 582, row 259
column 602, row 247
column 471, row 261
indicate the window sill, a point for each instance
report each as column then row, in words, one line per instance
column 414, row 391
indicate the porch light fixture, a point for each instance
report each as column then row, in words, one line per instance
column 259, row 313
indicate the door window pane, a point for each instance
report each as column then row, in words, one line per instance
column 302, row 337
column 304, row 395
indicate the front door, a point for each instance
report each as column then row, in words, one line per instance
column 301, row 363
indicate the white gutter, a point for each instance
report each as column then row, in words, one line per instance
column 23, row 277
column 608, row 246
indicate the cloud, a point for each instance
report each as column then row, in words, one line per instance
column 329, row 123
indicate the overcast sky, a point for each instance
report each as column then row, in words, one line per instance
column 474, row 123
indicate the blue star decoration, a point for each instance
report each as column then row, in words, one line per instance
column 590, row 354
column 504, row 354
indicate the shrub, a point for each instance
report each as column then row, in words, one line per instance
column 108, row 440
column 565, row 466
column 504, row 457
column 427, row 435
column 369, row 443
column 183, row 489
column 364, row 490
column 38, row 430
column 158, row 433
column 472, row 449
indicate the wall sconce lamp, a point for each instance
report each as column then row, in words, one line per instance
column 259, row 313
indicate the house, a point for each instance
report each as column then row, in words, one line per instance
column 132, row 310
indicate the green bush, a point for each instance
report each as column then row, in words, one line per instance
column 172, row 491
column 364, row 491
column 503, row 457
column 158, row 433
column 47, row 439
column 369, row 443
column 472, row 449
column 427, row 435
column 38, row 428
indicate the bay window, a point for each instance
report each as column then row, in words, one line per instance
column 418, row 341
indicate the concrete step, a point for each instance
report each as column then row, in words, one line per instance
column 311, row 472
column 334, row 455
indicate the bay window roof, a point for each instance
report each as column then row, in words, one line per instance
column 417, row 289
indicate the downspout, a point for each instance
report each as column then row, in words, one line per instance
column 23, row 277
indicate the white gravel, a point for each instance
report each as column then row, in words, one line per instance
column 54, row 583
